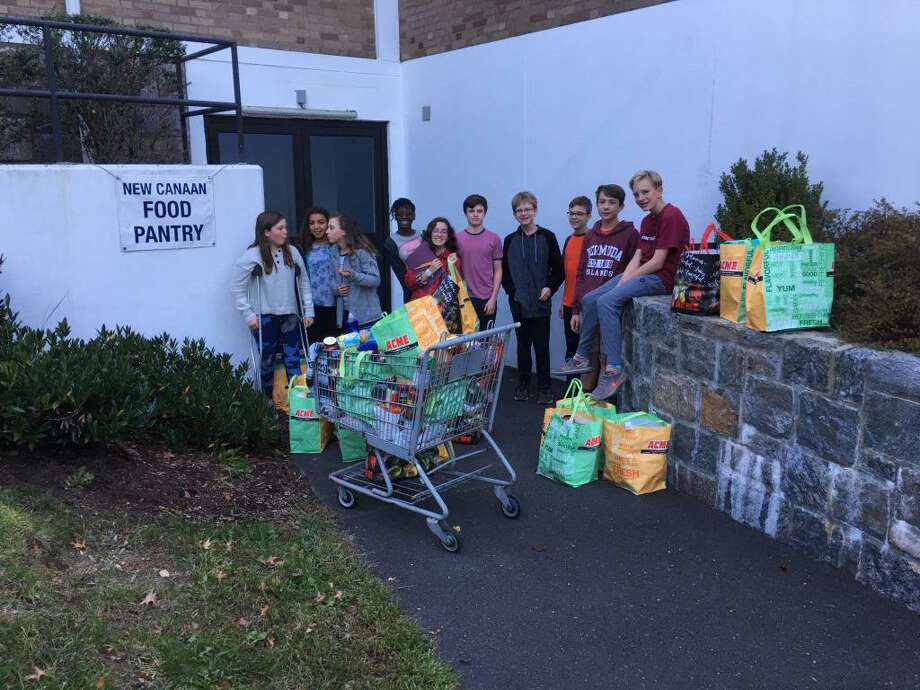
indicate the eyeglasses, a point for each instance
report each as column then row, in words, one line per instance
column 524, row 209
column 572, row 214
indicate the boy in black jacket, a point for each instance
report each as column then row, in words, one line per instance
column 531, row 273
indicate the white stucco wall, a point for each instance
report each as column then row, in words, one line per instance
column 64, row 260
column 685, row 88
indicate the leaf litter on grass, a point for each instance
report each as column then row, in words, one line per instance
column 88, row 623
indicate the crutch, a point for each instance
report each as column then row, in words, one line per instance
column 256, row 364
column 304, row 338
column 302, row 329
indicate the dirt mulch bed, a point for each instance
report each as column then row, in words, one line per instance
column 148, row 479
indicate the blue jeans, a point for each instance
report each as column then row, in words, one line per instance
column 601, row 309
column 284, row 331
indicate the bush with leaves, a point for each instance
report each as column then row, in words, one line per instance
column 93, row 131
column 774, row 182
column 877, row 297
column 120, row 385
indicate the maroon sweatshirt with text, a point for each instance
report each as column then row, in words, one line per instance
column 603, row 256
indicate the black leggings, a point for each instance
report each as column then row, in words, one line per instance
column 323, row 324
column 534, row 332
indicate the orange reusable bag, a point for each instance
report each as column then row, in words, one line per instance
column 636, row 452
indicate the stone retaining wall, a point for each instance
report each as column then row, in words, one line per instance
column 799, row 435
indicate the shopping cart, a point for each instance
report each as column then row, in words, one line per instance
column 409, row 408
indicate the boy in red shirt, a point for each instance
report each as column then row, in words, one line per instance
column 662, row 237
column 579, row 215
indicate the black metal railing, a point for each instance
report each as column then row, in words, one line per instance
column 55, row 95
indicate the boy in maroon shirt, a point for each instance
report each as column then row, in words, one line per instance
column 662, row 237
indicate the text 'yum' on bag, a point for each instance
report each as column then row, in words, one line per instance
column 697, row 281
column 789, row 285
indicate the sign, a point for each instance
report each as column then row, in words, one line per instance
column 165, row 211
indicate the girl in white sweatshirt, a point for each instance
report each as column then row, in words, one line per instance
column 272, row 253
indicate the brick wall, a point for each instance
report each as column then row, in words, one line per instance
column 799, row 435
column 30, row 8
column 331, row 27
column 428, row 27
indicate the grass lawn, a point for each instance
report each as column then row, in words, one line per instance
column 95, row 593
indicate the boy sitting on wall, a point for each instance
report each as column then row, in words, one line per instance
column 608, row 248
column 663, row 234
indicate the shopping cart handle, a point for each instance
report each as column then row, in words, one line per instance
column 257, row 271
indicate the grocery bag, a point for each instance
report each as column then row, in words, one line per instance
column 569, row 450
column 309, row 433
column 416, row 323
column 447, row 295
column 446, row 402
column 352, row 444
column 355, row 395
column 696, row 282
column 280, row 388
column 734, row 262
column 469, row 321
column 789, row 285
column 635, row 452
column 593, row 409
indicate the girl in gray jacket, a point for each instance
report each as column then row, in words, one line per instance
column 357, row 271
column 271, row 252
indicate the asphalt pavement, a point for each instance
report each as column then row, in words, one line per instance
column 596, row 588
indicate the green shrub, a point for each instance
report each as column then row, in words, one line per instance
column 771, row 182
column 877, row 298
column 119, row 385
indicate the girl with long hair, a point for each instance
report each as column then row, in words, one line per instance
column 271, row 252
column 318, row 255
column 442, row 240
column 358, row 275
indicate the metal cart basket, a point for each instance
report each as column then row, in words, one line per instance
column 409, row 407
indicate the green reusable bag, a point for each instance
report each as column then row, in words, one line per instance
column 445, row 402
column 352, row 444
column 308, row 432
column 789, row 285
column 570, row 450
column 354, row 393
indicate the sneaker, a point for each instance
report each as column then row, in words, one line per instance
column 608, row 384
column 522, row 393
column 545, row 397
column 573, row 366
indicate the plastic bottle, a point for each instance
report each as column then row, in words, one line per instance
column 352, row 339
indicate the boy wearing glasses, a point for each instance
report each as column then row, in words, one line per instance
column 572, row 251
column 531, row 273
column 662, row 237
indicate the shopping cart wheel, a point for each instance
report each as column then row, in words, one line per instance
column 512, row 508
column 346, row 497
column 451, row 541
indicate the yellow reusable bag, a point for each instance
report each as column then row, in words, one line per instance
column 734, row 262
column 426, row 321
column 636, row 452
